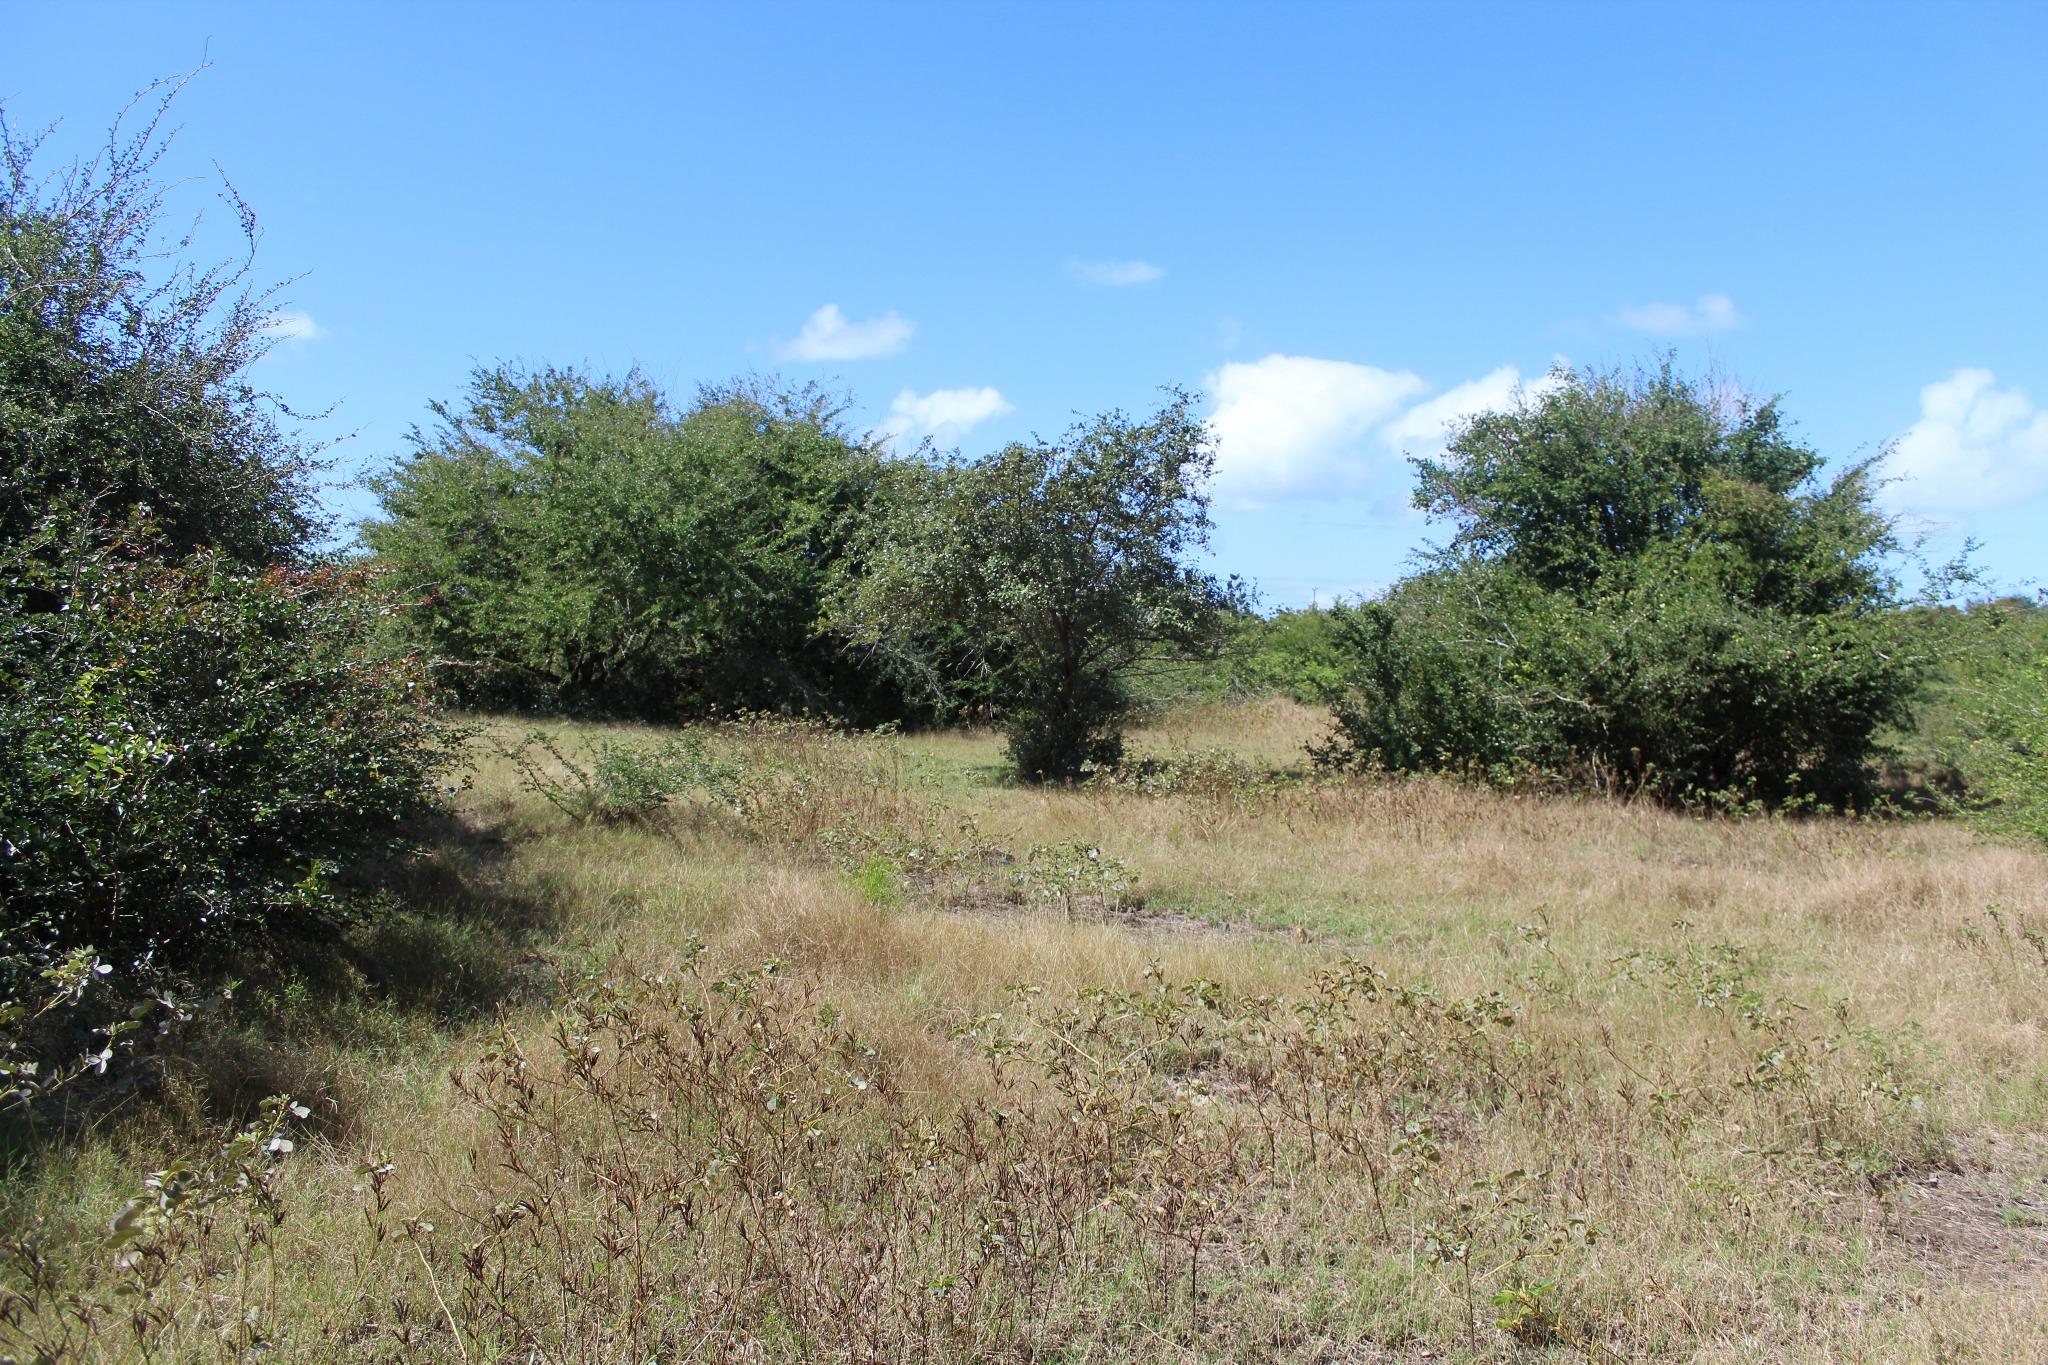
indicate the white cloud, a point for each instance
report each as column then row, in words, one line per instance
column 830, row 335
column 1424, row 428
column 945, row 415
column 1712, row 313
column 1290, row 424
column 1115, row 273
column 294, row 327
column 1301, row 427
column 1976, row 445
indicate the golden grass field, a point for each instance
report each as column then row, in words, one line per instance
column 829, row 1066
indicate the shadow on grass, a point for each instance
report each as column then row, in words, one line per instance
column 438, row 942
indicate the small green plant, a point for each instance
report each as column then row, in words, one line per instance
column 879, row 882
column 1074, row 873
column 610, row 782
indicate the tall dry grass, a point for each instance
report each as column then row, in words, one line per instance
column 803, row 1068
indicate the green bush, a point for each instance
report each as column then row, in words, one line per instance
column 1649, row 590
column 1662, row 684
column 1989, row 713
column 194, row 750
column 1290, row 653
column 587, row 547
column 124, row 365
column 1049, row 572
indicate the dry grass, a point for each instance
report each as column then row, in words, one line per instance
column 1361, row 1072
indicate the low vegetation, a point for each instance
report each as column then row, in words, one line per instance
column 860, row 1052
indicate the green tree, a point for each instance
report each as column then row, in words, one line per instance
column 1649, row 587
column 124, row 364
column 1049, row 571
column 584, row 545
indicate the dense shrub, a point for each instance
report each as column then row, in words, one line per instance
column 193, row 751
column 199, row 726
column 1050, row 571
column 588, row 547
column 1662, row 684
column 1289, row 653
column 1649, row 589
column 124, row 366
column 1984, row 728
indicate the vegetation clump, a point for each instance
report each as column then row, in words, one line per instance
column 203, row 726
column 1045, row 573
column 1649, row 589
column 584, row 545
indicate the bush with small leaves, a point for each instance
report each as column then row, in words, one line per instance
column 195, row 750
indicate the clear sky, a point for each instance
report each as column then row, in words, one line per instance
column 1344, row 224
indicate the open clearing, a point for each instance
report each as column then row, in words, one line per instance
column 836, row 1068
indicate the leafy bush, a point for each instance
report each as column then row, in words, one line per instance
column 1051, row 572
column 1290, row 653
column 2014, row 753
column 194, row 750
column 587, row 547
column 124, row 366
column 1075, row 872
column 1648, row 591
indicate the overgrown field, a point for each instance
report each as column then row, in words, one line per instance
column 851, row 1049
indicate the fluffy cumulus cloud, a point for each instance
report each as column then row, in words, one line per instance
column 945, row 415
column 1294, row 426
column 1975, row 446
column 829, row 334
column 293, row 327
column 1115, row 273
column 1710, row 314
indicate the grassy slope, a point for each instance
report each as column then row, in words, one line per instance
column 1791, row 1077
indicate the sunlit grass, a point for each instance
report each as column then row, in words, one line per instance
column 1777, row 1087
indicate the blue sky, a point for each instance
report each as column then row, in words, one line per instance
column 1344, row 224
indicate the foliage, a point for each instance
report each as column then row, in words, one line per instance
column 1050, row 571
column 586, row 546
column 194, row 750
column 200, row 727
column 1648, row 589
column 1290, row 653
column 2009, row 750
column 124, row 365
column 1074, row 872
column 612, row 782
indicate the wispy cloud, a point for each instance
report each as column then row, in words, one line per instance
column 1115, row 274
column 1708, row 315
column 829, row 334
column 294, row 327
column 1975, row 446
column 1303, row 427
column 945, row 415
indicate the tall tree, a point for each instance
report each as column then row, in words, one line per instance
column 1649, row 587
